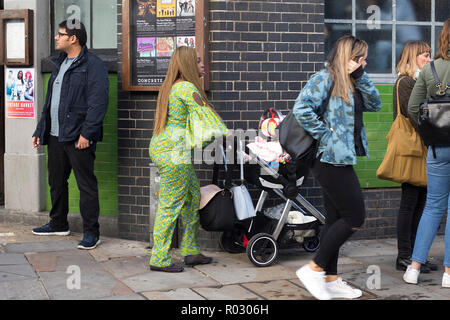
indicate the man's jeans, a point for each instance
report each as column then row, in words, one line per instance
column 438, row 172
column 62, row 158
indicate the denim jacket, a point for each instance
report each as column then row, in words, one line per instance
column 335, row 132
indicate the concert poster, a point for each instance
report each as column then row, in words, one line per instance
column 157, row 28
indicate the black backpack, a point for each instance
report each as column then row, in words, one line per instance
column 434, row 115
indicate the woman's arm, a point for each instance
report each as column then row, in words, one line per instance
column 370, row 94
column 307, row 105
column 418, row 93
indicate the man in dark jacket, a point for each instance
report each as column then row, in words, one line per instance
column 71, row 125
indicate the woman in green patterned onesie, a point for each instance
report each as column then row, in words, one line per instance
column 183, row 120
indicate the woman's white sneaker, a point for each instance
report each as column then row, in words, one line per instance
column 314, row 282
column 411, row 275
column 340, row 289
column 446, row 280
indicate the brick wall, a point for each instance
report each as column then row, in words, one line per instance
column 261, row 54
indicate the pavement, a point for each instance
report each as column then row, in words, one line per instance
column 52, row 268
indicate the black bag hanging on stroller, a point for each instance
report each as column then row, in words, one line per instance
column 216, row 208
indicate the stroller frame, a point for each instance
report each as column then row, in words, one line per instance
column 262, row 248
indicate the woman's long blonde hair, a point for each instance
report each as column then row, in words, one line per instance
column 345, row 48
column 444, row 42
column 182, row 65
column 408, row 58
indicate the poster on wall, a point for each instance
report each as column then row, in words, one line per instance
column 154, row 30
column 19, row 92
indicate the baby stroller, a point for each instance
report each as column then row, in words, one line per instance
column 277, row 227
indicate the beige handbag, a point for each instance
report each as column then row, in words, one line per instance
column 406, row 155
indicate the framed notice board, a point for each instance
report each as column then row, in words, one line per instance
column 151, row 31
column 16, row 37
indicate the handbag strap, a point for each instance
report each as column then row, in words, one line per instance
column 398, row 99
column 228, row 171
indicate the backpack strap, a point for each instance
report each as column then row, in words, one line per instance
column 437, row 81
column 436, row 78
column 440, row 92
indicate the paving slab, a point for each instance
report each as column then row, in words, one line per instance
column 176, row 294
column 131, row 296
column 121, row 289
column 232, row 269
column 162, row 281
column 429, row 281
column 93, row 285
column 294, row 260
column 117, row 248
column 23, row 233
column 364, row 248
column 230, row 292
column 366, row 294
column 46, row 246
column 438, row 242
column 42, row 262
column 279, row 290
column 392, row 288
column 122, row 268
column 30, row 289
column 16, row 272
column 73, row 257
column 12, row 259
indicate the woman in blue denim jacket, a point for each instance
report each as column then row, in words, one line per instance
column 341, row 135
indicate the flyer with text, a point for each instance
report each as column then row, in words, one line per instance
column 19, row 92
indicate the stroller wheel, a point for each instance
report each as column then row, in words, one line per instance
column 262, row 250
column 311, row 244
column 230, row 243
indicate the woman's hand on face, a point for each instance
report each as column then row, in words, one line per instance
column 352, row 65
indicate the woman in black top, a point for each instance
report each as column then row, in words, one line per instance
column 414, row 56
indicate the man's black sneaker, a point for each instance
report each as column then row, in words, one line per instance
column 46, row 230
column 431, row 266
column 89, row 242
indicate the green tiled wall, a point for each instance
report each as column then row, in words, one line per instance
column 377, row 126
column 105, row 162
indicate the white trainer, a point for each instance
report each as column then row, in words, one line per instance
column 411, row 275
column 314, row 282
column 340, row 289
column 446, row 280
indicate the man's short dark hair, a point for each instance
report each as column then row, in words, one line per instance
column 75, row 28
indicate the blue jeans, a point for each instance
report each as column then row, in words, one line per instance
column 438, row 200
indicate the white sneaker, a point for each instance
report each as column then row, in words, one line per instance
column 314, row 282
column 340, row 289
column 446, row 280
column 411, row 275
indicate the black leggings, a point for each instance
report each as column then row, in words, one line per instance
column 345, row 211
column 411, row 207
